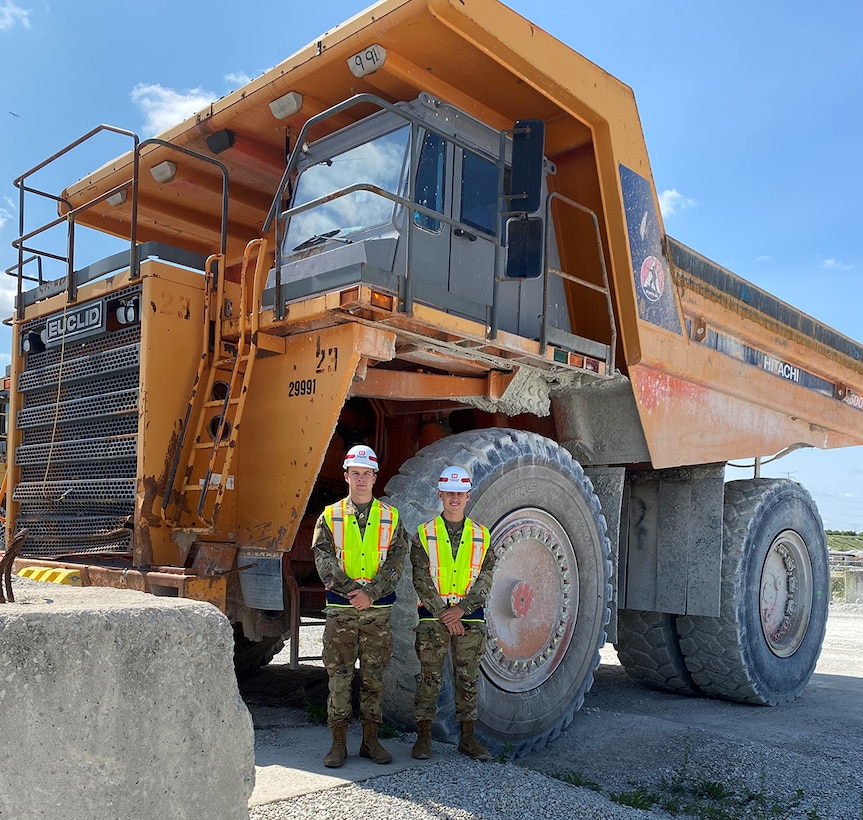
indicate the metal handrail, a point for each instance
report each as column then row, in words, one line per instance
column 10, row 271
column 604, row 289
column 223, row 234
column 491, row 318
column 68, row 216
column 397, row 199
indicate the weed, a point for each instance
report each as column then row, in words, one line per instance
column 680, row 793
column 386, row 730
column 712, row 790
column 638, row 798
column 315, row 712
column 579, row 780
column 505, row 755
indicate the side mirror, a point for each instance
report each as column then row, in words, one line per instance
column 524, row 248
column 528, row 148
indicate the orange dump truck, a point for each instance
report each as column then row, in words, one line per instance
column 433, row 230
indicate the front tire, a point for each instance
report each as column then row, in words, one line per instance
column 549, row 602
column 764, row 645
column 250, row 656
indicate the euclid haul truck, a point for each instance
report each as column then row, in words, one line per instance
column 433, row 230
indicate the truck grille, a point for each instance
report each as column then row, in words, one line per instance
column 78, row 423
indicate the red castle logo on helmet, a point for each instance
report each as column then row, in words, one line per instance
column 363, row 454
column 454, row 479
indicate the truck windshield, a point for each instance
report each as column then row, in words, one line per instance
column 380, row 161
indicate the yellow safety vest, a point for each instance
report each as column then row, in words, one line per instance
column 453, row 577
column 361, row 556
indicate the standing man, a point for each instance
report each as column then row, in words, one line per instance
column 360, row 549
column 452, row 574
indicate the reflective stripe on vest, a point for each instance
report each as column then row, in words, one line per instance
column 453, row 576
column 361, row 557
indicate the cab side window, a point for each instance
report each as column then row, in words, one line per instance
column 478, row 193
column 430, row 181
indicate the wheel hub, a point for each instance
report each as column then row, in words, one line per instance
column 786, row 593
column 532, row 606
column 521, row 599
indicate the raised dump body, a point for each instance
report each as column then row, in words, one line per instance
column 433, row 230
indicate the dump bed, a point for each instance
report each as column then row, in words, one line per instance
column 718, row 369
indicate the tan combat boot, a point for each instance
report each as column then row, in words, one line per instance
column 371, row 748
column 422, row 748
column 469, row 745
column 339, row 750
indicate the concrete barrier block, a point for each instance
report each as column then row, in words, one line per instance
column 853, row 585
column 116, row 704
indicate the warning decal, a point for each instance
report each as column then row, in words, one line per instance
column 656, row 302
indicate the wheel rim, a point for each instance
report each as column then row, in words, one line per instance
column 534, row 600
column 786, row 593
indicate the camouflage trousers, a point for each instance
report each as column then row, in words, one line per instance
column 349, row 636
column 432, row 642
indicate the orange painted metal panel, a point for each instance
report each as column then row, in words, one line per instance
column 171, row 336
column 294, row 403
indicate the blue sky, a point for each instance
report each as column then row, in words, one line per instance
column 751, row 113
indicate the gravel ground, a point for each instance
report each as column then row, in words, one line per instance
column 698, row 758
column 452, row 790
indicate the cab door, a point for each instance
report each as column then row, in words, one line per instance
column 430, row 237
column 457, row 261
column 475, row 205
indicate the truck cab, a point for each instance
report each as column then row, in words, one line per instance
column 421, row 194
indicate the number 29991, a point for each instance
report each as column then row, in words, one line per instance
column 302, row 387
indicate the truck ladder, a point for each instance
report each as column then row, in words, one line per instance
column 234, row 361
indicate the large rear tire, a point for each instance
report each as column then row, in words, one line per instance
column 648, row 647
column 549, row 602
column 763, row 647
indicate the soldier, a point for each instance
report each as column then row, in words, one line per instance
column 452, row 574
column 360, row 548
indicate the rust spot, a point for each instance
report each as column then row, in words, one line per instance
column 148, row 492
column 143, row 548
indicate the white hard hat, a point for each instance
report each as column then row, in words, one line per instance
column 454, row 480
column 361, row 455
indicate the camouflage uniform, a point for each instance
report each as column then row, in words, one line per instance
column 351, row 634
column 433, row 639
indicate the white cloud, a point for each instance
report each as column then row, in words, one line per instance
column 238, row 78
column 671, row 201
column 165, row 108
column 8, row 292
column 10, row 14
column 8, row 284
column 6, row 213
column 835, row 264
column 764, row 258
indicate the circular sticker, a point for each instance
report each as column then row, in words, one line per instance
column 652, row 278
